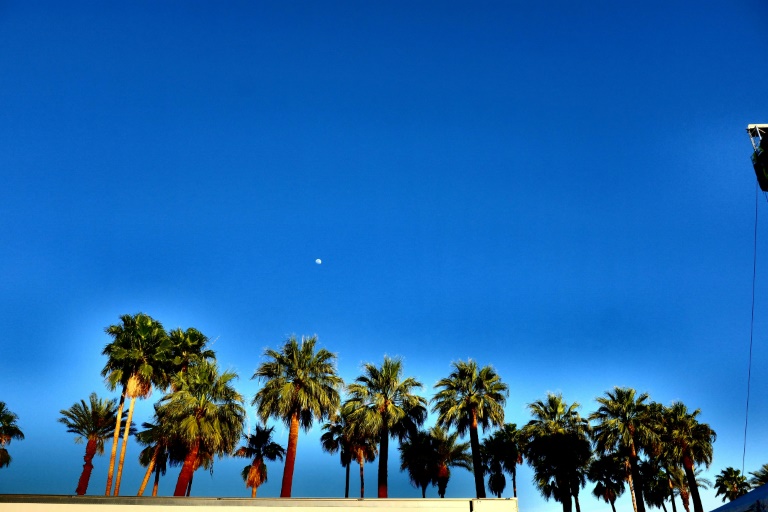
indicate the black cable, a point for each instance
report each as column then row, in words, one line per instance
column 751, row 328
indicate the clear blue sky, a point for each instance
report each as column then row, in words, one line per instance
column 560, row 189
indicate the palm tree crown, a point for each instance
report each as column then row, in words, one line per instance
column 622, row 425
column 731, row 484
column 470, row 397
column 207, row 414
column 759, row 477
column 260, row 447
column 9, row 430
column 93, row 421
column 300, row 385
column 383, row 403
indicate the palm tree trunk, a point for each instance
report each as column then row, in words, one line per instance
column 694, row 489
column 636, row 479
column 187, row 470
column 346, row 484
column 576, row 501
column 126, row 434
column 157, row 482
column 290, row 456
column 150, row 467
column 85, row 476
column 423, row 491
column 362, row 477
column 115, row 439
column 671, row 493
column 189, row 485
column 664, row 506
column 253, row 491
column 383, row 459
column 477, row 467
column 514, row 483
column 631, row 482
column 613, row 505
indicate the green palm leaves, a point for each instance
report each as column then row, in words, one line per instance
column 470, row 397
column 94, row 422
column 9, row 430
column 300, row 385
column 382, row 402
column 731, row 484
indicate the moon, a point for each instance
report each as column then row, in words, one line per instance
column 318, row 261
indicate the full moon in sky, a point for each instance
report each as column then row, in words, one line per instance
column 318, row 261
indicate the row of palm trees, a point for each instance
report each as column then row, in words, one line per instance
column 652, row 449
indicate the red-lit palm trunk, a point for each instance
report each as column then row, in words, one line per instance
column 360, row 461
column 85, row 476
column 187, row 470
column 383, row 459
column 290, row 456
column 477, row 466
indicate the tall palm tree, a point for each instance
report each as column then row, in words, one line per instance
column 622, row 425
column 491, row 451
column 93, row 421
column 731, row 484
column 608, row 473
column 448, row 453
column 9, row 430
column 383, row 403
column 417, row 459
column 260, row 447
column 470, row 397
column 207, row 414
column 690, row 442
column 507, row 450
column 362, row 448
column 336, row 439
column 138, row 358
column 759, row 477
column 300, row 385
column 158, row 439
column 557, row 448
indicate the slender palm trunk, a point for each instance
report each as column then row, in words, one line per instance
column 189, row 485
column 383, row 459
column 115, row 439
column 631, row 483
column 477, row 467
column 514, row 483
column 613, row 505
column 253, row 491
column 694, row 489
column 443, row 475
column 346, row 484
column 664, row 506
column 187, row 470
column 576, row 501
column 157, row 482
column 636, row 479
column 290, row 456
column 423, row 491
column 362, row 476
column 150, row 468
column 671, row 493
column 126, row 434
column 85, row 476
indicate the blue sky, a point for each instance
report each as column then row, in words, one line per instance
column 562, row 190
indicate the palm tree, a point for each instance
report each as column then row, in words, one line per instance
column 608, row 473
column 557, row 449
column 300, row 385
column 260, row 447
column 417, row 460
column 336, row 439
column 382, row 403
column 9, row 430
column 207, row 415
column 470, row 397
column 622, row 426
column 491, row 451
column 138, row 358
column 448, row 453
column 507, row 450
column 731, row 484
column 690, row 442
column 362, row 448
column 158, row 439
column 759, row 477
column 94, row 422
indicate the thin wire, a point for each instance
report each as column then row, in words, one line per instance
column 751, row 329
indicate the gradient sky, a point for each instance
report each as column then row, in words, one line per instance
column 560, row 189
